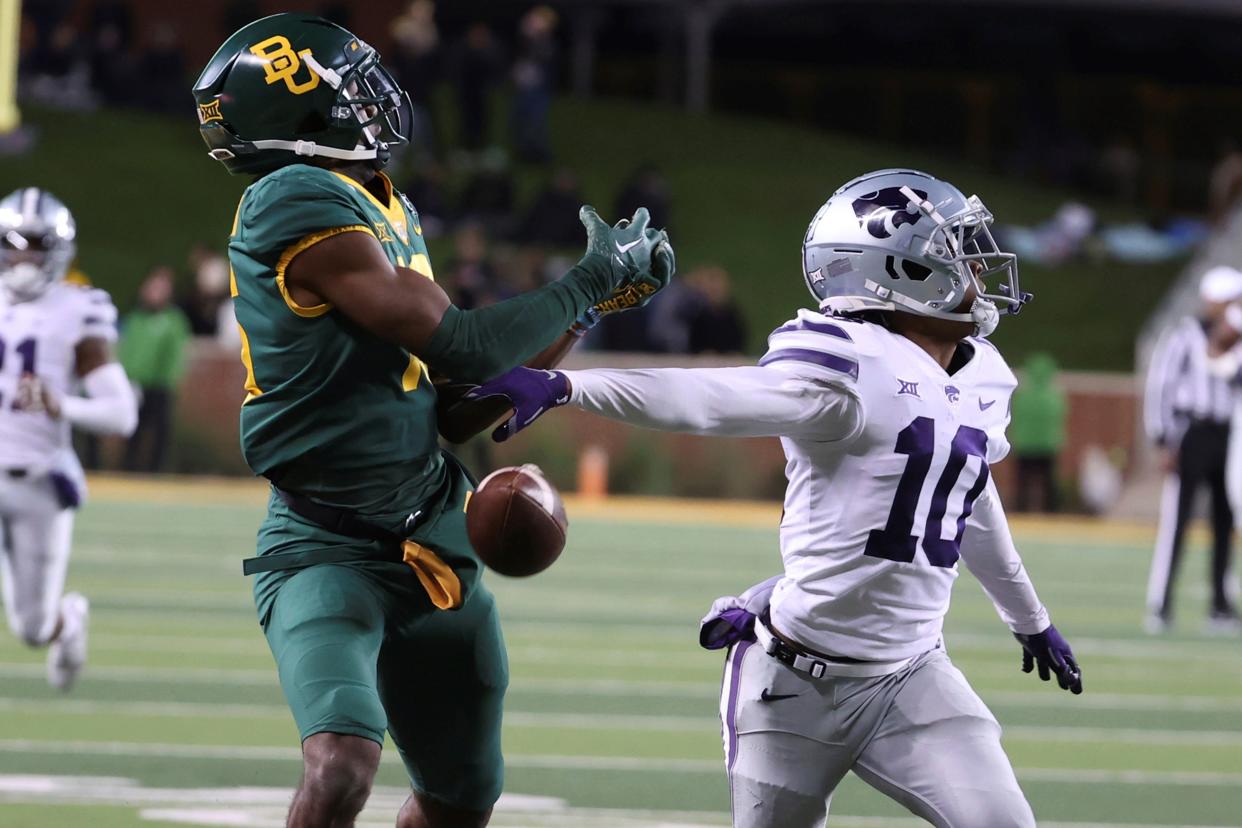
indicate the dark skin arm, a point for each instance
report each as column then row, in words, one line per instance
column 399, row 305
column 351, row 272
column 91, row 353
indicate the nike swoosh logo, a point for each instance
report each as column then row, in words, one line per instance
column 768, row 697
column 622, row 248
column 984, row 406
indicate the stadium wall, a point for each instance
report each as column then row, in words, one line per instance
column 1102, row 413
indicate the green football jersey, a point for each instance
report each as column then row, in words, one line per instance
column 331, row 410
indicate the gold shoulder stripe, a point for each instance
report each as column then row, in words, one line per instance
column 393, row 212
column 420, row 263
column 252, row 385
column 300, row 246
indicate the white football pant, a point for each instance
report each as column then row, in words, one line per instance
column 920, row 735
column 35, row 532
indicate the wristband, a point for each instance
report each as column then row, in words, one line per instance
column 589, row 319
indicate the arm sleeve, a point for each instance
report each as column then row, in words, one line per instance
column 989, row 553
column 744, row 401
column 477, row 345
column 108, row 408
column 1167, row 360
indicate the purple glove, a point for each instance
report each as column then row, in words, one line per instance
column 1052, row 653
column 732, row 619
column 727, row 628
column 530, row 391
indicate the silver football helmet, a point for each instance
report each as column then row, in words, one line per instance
column 37, row 246
column 903, row 240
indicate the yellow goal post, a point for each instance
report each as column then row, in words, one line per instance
column 10, row 30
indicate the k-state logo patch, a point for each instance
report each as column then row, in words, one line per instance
column 884, row 211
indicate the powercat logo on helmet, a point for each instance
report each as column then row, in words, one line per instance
column 884, row 211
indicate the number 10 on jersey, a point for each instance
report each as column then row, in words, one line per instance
column 897, row 541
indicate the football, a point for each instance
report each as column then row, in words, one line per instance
column 516, row 521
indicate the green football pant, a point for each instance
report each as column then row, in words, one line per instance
column 360, row 650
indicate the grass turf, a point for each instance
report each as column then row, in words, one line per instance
column 611, row 719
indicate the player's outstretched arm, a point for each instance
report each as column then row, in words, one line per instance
column 989, row 552
column 351, row 272
column 745, row 401
column 459, row 419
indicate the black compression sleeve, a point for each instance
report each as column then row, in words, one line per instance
column 476, row 345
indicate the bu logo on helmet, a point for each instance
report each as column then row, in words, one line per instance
column 282, row 63
column 884, row 211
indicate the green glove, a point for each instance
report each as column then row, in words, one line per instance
column 627, row 246
column 642, row 257
column 641, row 289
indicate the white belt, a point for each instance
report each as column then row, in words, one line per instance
column 821, row 667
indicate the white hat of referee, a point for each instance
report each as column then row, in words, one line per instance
column 1221, row 284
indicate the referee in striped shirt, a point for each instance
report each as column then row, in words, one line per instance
column 1187, row 408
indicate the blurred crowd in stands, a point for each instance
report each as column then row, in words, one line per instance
column 489, row 242
column 468, row 192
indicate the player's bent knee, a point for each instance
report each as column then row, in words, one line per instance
column 424, row 811
column 338, row 770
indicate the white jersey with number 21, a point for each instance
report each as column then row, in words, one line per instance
column 40, row 337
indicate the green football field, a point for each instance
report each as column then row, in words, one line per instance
column 611, row 718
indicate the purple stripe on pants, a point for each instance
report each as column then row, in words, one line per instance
column 735, row 679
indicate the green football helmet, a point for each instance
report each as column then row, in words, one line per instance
column 294, row 86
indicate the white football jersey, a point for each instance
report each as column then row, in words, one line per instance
column 873, row 524
column 40, row 337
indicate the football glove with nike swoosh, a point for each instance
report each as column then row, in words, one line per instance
column 531, row 391
column 642, row 258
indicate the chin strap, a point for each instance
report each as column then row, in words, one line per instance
column 983, row 314
column 310, row 148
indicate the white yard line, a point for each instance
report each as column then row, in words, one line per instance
column 569, row 762
column 264, row 807
column 146, row 675
column 600, row 721
column 1044, row 697
column 1154, row 702
column 1125, row 735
